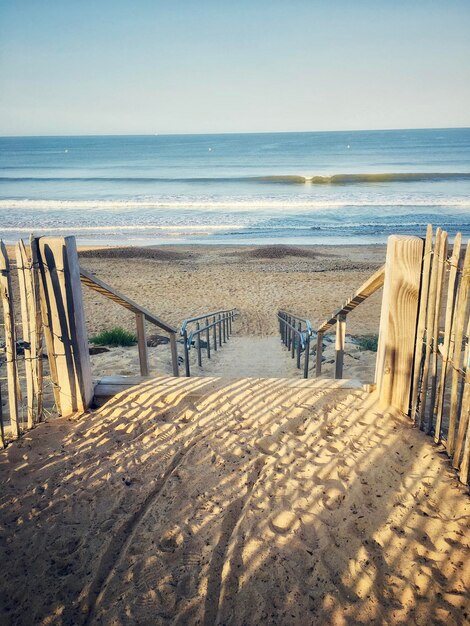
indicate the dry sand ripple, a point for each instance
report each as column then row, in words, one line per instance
column 204, row 501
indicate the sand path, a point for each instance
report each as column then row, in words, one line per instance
column 250, row 357
column 206, row 501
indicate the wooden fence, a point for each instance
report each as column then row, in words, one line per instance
column 50, row 301
column 440, row 401
column 24, row 409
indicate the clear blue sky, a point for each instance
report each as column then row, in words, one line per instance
column 175, row 66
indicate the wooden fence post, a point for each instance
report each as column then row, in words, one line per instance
column 142, row 344
column 28, row 319
column 64, row 320
column 10, row 339
column 398, row 321
column 339, row 345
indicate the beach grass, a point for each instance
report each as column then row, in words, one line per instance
column 117, row 336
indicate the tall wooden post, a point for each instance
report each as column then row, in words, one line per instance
column 6, row 295
column 339, row 345
column 64, row 322
column 142, row 343
column 398, row 321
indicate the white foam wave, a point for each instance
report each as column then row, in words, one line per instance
column 229, row 204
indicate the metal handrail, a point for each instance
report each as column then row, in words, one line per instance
column 290, row 327
column 221, row 326
column 201, row 317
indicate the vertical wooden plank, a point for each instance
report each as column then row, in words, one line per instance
column 27, row 307
column 398, row 321
column 37, row 336
column 463, row 472
column 6, row 295
column 2, row 429
column 339, row 345
column 464, row 405
column 60, row 277
column 46, row 317
column 441, row 261
column 449, row 317
column 423, row 305
column 142, row 344
column 428, row 331
column 319, row 354
column 456, row 348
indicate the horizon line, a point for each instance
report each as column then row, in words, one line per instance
column 265, row 132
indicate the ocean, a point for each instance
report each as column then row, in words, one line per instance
column 354, row 187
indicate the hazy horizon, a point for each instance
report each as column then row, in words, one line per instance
column 137, row 68
column 263, row 132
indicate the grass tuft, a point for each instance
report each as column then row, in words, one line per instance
column 114, row 337
column 368, row 342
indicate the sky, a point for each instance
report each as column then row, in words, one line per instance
column 209, row 66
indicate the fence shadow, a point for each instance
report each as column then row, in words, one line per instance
column 249, row 501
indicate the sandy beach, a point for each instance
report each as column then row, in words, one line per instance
column 204, row 501
column 183, row 281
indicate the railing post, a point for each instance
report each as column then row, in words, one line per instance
column 208, row 339
column 292, row 350
column 398, row 321
column 224, row 335
column 307, row 355
column 220, row 330
column 215, row 333
column 289, row 333
column 198, row 345
column 186, row 353
column 339, row 346
column 142, row 343
column 319, row 354
column 174, row 354
column 299, row 345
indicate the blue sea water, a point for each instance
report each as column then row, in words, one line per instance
column 324, row 187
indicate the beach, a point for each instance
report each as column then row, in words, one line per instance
column 177, row 282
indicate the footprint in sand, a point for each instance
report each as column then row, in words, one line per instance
column 283, row 522
column 171, row 540
column 267, row 445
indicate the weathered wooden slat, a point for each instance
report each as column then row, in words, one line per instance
column 27, row 309
column 398, row 321
column 441, row 260
column 423, row 305
column 464, row 405
column 370, row 286
column 6, row 295
column 464, row 442
column 60, row 278
column 428, row 331
column 456, row 340
column 37, row 336
column 449, row 317
column 46, row 316
column 2, row 429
